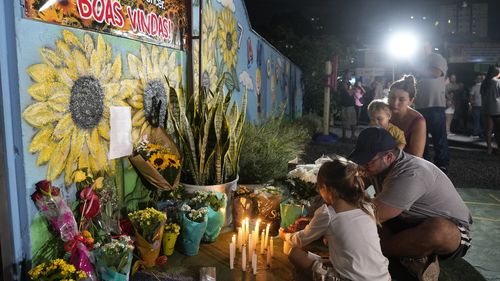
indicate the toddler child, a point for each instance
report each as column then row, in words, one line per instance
column 380, row 114
column 347, row 222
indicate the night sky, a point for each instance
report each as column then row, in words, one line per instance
column 357, row 22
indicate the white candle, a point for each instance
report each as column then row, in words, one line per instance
column 254, row 263
column 247, row 229
column 257, row 225
column 231, row 255
column 267, row 235
column 262, row 241
column 233, row 239
column 240, row 237
column 244, row 258
column 268, row 258
column 272, row 247
column 250, row 247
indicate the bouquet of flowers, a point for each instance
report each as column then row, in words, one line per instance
column 170, row 234
column 158, row 160
column 216, row 207
column 148, row 226
column 52, row 206
column 113, row 259
column 268, row 200
column 193, row 226
column 57, row 269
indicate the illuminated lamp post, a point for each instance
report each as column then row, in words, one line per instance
column 331, row 67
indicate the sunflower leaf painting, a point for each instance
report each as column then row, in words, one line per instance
column 74, row 86
column 153, row 73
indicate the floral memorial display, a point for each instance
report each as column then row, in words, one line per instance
column 216, row 212
column 193, row 226
column 114, row 259
column 157, row 159
column 57, row 269
column 148, row 227
column 268, row 200
column 170, row 235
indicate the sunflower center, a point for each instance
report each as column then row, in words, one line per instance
column 205, row 79
column 158, row 162
column 155, row 102
column 229, row 41
column 86, row 102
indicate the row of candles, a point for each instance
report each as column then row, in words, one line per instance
column 249, row 240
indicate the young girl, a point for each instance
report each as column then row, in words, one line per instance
column 348, row 223
column 380, row 114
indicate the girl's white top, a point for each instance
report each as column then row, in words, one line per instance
column 353, row 243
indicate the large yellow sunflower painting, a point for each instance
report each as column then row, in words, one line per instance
column 152, row 73
column 74, row 87
column 228, row 38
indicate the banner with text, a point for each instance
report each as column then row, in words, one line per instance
column 161, row 22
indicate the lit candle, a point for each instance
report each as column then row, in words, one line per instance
column 247, row 230
column 254, row 263
column 272, row 247
column 262, row 241
column 257, row 225
column 231, row 255
column 255, row 239
column 233, row 239
column 268, row 257
column 244, row 258
column 267, row 235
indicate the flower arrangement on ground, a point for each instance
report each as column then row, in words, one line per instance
column 157, row 159
column 56, row 270
column 216, row 207
column 148, row 227
column 170, row 235
column 113, row 259
column 52, row 206
column 193, row 226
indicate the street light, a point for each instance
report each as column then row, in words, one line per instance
column 401, row 45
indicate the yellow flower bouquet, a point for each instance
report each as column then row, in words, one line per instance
column 148, row 226
column 56, row 270
column 157, row 159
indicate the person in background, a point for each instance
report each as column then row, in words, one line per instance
column 475, row 100
column 490, row 101
column 401, row 97
column 386, row 89
column 378, row 89
column 457, row 93
column 380, row 115
column 359, row 92
column 346, row 102
column 422, row 215
column 431, row 103
column 347, row 221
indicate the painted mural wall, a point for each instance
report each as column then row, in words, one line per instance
column 68, row 80
column 69, row 77
column 229, row 45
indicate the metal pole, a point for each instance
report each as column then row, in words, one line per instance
column 326, row 100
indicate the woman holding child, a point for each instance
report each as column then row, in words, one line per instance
column 401, row 97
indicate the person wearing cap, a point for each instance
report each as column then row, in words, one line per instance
column 422, row 214
column 431, row 103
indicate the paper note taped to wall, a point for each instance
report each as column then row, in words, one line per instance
column 120, row 134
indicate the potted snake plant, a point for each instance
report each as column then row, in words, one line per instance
column 208, row 128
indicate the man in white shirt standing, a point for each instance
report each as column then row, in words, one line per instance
column 475, row 100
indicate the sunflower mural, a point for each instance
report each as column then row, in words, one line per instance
column 228, row 38
column 152, row 73
column 74, row 87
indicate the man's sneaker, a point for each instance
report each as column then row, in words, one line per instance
column 425, row 269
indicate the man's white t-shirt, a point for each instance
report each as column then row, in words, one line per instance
column 353, row 243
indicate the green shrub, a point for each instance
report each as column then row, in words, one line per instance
column 310, row 122
column 268, row 147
